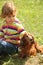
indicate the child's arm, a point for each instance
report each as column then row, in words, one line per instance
column 21, row 30
column 1, row 33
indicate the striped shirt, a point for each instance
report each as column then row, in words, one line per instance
column 13, row 31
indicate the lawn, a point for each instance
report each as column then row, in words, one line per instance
column 30, row 13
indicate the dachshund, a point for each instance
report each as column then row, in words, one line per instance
column 29, row 46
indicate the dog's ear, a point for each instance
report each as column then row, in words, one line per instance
column 24, row 40
column 21, row 42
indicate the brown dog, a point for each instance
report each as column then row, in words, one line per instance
column 29, row 46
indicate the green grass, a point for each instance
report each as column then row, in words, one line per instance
column 30, row 12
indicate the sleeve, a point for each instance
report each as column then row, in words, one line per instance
column 1, row 33
column 21, row 30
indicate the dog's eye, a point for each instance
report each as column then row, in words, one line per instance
column 26, row 36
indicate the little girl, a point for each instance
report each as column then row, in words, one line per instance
column 11, row 31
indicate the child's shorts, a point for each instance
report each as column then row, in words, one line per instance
column 8, row 48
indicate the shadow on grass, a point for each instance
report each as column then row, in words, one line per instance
column 12, row 60
column 15, row 60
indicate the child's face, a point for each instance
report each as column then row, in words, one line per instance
column 9, row 19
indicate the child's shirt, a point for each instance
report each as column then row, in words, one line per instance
column 13, row 32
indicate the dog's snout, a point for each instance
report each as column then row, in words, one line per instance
column 31, row 39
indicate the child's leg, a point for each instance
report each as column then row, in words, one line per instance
column 9, row 48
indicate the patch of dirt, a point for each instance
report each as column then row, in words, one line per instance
column 35, row 60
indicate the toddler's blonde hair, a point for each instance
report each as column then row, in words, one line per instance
column 8, row 9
